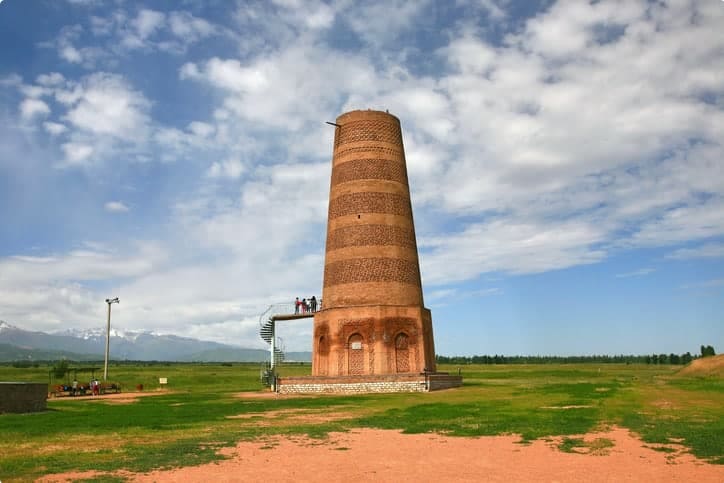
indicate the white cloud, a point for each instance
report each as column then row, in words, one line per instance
column 11, row 80
column 54, row 128
column 71, row 54
column 508, row 246
column 34, row 91
column 31, row 108
column 201, row 129
column 693, row 222
column 115, row 207
column 708, row 250
column 539, row 144
column 53, row 291
column 381, row 23
column 493, row 9
column 189, row 28
column 151, row 30
column 148, row 22
column 265, row 90
column 51, row 79
column 106, row 105
column 82, row 265
column 77, row 154
column 230, row 168
column 636, row 273
column 68, row 49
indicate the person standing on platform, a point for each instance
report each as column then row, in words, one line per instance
column 296, row 306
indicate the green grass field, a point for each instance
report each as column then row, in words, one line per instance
column 199, row 412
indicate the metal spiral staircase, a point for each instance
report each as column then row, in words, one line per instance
column 267, row 331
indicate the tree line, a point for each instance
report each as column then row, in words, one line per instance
column 672, row 358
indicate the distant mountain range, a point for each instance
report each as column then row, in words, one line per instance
column 83, row 345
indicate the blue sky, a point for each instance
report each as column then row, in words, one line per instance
column 565, row 161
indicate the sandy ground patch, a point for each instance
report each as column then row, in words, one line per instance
column 115, row 398
column 382, row 455
column 295, row 416
column 267, row 394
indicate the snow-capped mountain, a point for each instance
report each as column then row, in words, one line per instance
column 131, row 345
column 98, row 333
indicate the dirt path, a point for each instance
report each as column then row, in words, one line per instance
column 379, row 455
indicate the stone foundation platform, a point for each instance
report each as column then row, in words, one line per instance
column 406, row 382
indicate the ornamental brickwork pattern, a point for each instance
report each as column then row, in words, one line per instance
column 369, row 169
column 356, row 354
column 371, row 235
column 363, row 328
column 369, row 202
column 375, row 130
column 402, row 356
column 365, row 270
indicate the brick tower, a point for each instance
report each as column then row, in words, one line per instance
column 373, row 320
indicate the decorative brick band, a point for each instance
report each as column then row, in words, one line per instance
column 371, row 235
column 364, row 270
column 382, row 130
column 395, row 153
column 369, row 169
column 369, row 202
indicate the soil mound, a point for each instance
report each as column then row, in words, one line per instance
column 706, row 366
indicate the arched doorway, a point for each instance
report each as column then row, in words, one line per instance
column 355, row 355
column 322, row 356
column 402, row 353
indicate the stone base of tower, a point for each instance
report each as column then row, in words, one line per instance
column 367, row 383
column 373, row 340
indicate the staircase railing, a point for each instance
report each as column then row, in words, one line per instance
column 267, row 331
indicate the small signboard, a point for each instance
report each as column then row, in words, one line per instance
column 163, row 380
column 356, row 345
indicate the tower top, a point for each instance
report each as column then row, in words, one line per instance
column 364, row 114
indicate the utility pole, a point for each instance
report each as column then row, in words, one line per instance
column 108, row 335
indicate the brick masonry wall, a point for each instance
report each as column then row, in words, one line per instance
column 370, row 235
column 369, row 169
column 377, row 329
column 371, row 202
column 378, row 129
column 362, row 270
